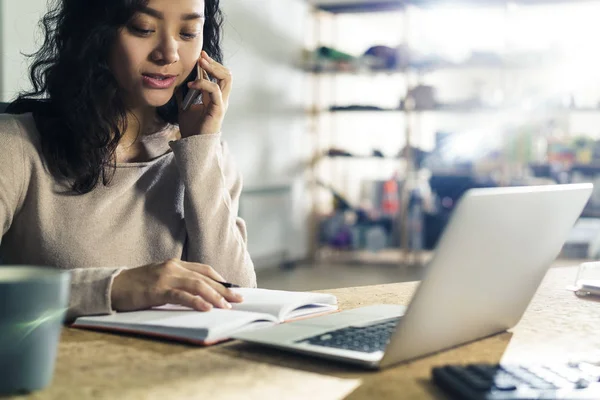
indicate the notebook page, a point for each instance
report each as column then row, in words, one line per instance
column 281, row 303
column 213, row 324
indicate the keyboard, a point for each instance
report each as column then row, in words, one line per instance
column 367, row 339
column 573, row 381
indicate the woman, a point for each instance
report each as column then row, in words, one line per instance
column 105, row 174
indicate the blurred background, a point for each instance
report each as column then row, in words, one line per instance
column 359, row 124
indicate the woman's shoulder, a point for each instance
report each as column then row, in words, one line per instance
column 19, row 131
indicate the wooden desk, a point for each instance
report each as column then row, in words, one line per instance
column 105, row 366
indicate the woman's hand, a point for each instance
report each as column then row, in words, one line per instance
column 206, row 118
column 174, row 281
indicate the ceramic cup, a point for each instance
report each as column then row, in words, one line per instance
column 33, row 304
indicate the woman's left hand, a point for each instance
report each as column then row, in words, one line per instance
column 206, row 118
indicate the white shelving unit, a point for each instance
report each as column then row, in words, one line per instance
column 324, row 133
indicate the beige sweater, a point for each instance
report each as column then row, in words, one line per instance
column 182, row 204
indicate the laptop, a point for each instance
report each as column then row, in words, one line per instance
column 487, row 266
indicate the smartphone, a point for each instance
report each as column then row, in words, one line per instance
column 191, row 95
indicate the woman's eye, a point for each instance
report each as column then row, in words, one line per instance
column 141, row 31
column 189, row 36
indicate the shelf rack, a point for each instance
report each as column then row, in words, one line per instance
column 338, row 7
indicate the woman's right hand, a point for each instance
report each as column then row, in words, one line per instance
column 174, row 281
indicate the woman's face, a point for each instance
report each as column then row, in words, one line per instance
column 157, row 50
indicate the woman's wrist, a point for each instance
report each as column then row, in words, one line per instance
column 201, row 135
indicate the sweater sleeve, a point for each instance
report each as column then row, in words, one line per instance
column 12, row 172
column 216, row 235
column 90, row 291
column 90, row 287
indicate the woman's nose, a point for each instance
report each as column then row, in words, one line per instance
column 166, row 52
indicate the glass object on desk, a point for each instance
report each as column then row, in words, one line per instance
column 587, row 282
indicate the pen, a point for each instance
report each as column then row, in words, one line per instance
column 228, row 285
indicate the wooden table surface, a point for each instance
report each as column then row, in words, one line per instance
column 557, row 325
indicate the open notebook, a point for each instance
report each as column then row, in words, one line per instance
column 261, row 307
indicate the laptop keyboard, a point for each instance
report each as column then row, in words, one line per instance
column 368, row 339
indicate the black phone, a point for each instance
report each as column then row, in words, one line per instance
column 191, row 78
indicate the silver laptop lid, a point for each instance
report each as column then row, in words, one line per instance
column 487, row 266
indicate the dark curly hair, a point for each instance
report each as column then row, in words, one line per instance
column 74, row 101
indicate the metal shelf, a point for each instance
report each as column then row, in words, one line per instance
column 390, row 257
column 356, row 158
column 430, row 69
column 325, row 12
column 465, row 110
column 346, row 7
column 362, row 6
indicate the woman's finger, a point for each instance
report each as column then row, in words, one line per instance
column 202, row 269
column 182, row 297
column 213, row 279
column 227, row 293
column 200, row 287
column 216, row 69
column 213, row 90
column 221, row 73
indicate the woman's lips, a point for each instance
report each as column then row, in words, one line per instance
column 158, row 81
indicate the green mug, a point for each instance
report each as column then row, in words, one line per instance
column 33, row 305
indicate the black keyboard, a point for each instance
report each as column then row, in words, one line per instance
column 368, row 339
column 573, row 381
